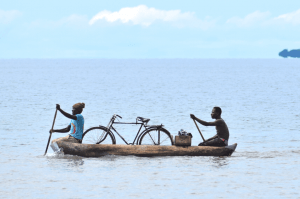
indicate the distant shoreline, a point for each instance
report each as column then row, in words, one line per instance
column 292, row 53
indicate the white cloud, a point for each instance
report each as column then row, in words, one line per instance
column 8, row 16
column 264, row 19
column 289, row 18
column 142, row 15
column 254, row 18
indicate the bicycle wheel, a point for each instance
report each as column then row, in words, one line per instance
column 156, row 137
column 98, row 135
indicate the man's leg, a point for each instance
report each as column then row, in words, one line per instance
column 214, row 142
column 71, row 139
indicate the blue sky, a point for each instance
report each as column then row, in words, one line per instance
column 148, row 29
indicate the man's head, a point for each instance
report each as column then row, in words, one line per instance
column 77, row 108
column 216, row 112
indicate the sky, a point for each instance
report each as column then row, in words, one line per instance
column 134, row 29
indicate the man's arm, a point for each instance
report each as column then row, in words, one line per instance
column 74, row 117
column 215, row 123
column 64, row 130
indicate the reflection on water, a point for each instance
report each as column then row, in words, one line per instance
column 219, row 162
column 68, row 160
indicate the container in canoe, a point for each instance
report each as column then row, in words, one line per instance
column 98, row 150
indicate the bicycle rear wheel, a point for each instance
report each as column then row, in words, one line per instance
column 98, row 135
column 156, row 137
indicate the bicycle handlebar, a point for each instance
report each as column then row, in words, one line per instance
column 115, row 115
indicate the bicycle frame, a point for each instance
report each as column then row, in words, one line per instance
column 112, row 121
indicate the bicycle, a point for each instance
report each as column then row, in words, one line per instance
column 152, row 135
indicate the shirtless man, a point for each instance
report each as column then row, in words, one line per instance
column 222, row 136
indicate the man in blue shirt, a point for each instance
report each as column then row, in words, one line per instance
column 76, row 125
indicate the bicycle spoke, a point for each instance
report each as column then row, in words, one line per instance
column 165, row 140
column 156, row 137
column 152, row 137
column 101, row 137
column 97, row 135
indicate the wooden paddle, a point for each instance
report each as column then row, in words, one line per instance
column 199, row 130
column 51, row 132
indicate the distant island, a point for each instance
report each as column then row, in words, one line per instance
column 292, row 53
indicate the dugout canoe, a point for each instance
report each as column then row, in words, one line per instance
column 98, row 150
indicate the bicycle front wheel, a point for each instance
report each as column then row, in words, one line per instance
column 98, row 135
column 156, row 137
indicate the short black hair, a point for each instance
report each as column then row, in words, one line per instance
column 218, row 109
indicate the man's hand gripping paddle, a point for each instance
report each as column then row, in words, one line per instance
column 51, row 132
column 199, row 130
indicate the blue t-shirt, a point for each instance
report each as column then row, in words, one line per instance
column 77, row 127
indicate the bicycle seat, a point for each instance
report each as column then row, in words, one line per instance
column 144, row 120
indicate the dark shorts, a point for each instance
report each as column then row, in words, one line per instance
column 215, row 142
column 71, row 139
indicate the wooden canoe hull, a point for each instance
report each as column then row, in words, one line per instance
column 98, row 150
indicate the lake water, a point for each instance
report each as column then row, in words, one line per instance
column 259, row 99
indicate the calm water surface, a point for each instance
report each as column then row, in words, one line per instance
column 259, row 99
